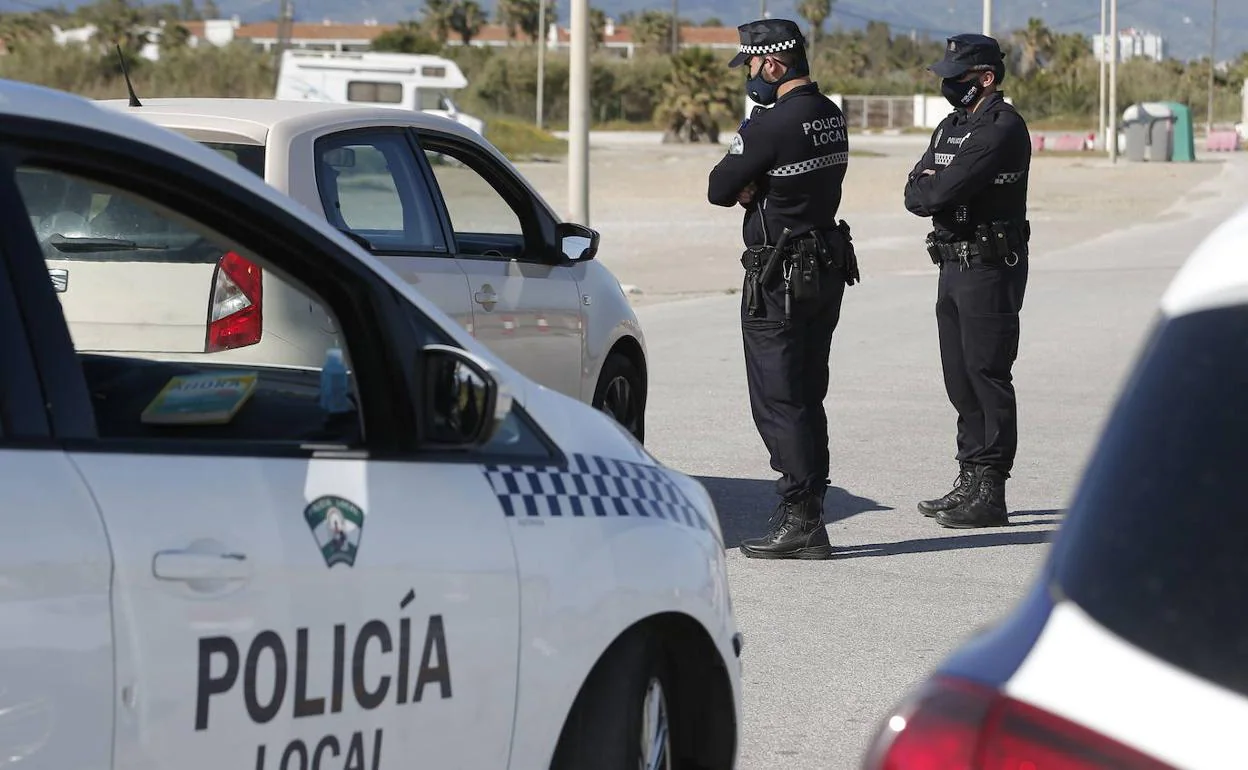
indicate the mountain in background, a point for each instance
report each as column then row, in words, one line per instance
column 1184, row 24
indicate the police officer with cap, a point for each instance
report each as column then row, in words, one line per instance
column 786, row 166
column 972, row 183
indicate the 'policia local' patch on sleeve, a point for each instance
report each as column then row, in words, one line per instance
column 737, row 146
column 592, row 487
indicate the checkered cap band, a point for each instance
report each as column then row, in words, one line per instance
column 591, row 486
column 758, row 50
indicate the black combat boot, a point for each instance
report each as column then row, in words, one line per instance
column 797, row 532
column 954, row 497
column 983, row 507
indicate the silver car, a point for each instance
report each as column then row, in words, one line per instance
column 445, row 210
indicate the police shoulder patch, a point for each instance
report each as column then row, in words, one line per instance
column 737, row 146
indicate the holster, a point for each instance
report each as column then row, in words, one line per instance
column 753, row 259
column 806, row 263
column 1002, row 241
column 836, row 249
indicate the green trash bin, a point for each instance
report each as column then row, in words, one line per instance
column 1183, row 140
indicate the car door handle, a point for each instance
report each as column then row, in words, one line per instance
column 196, row 565
column 486, row 296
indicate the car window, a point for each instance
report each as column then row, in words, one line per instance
column 475, row 206
column 181, row 333
column 370, row 186
column 430, row 99
column 369, row 91
column 1155, row 547
column 249, row 156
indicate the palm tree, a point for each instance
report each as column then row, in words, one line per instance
column 508, row 13
column 815, row 12
column 653, row 30
column 437, row 19
column 696, row 96
column 467, row 18
column 406, row 37
column 597, row 26
column 1035, row 44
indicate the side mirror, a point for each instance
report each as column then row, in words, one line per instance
column 465, row 402
column 578, row 242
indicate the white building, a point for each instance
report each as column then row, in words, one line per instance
column 85, row 35
column 1132, row 44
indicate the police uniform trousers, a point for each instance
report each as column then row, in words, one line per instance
column 977, row 308
column 786, row 368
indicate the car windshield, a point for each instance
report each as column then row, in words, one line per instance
column 79, row 221
column 249, row 156
column 1155, row 547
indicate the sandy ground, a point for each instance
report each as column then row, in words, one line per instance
column 661, row 236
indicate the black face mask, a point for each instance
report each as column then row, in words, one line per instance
column 960, row 95
column 761, row 91
column 764, row 93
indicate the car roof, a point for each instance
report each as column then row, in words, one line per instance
column 255, row 118
column 1216, row 273
column 25, row 100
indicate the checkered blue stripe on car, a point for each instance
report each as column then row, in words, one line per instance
column 591, row 486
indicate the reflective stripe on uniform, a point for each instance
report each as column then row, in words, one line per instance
column 814, row 164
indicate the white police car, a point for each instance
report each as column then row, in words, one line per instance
column 397, row 565
column 1130, row 650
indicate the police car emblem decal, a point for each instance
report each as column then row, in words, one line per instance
column 591, row 486
column 337, row 525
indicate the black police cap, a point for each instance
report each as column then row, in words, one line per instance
column 764, row 36
column 962, row 52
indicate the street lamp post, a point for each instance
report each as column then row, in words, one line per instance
column 988, row 18
column 1111, row 135
column 1213, row 44
column 578, row 115
column 1100, row 114
column 541, row 57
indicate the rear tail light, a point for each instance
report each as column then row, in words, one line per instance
column 235, row 317
column 954, row 724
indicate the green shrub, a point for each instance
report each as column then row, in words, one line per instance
column 523, row 141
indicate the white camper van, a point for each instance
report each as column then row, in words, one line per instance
column 412, row 81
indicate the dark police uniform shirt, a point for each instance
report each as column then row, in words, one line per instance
column 981, row 161
column 796, row 152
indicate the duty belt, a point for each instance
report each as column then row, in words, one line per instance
column 994, row 243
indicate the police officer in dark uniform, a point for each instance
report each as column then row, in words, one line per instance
column 786, row 166
column 972, row 182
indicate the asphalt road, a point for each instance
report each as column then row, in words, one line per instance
column 830, row 646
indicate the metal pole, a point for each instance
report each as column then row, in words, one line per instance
column 675, row 29
column 541, row 57
column 1111, row 135
column 988, row 17
column 1100, row 114
column 283, row 28
column 762, row 9
column 578, row 115
column 1213, row 43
